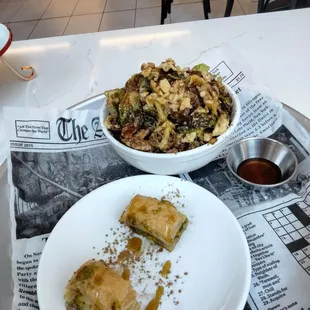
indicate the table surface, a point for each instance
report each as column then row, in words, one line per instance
column 73, row 68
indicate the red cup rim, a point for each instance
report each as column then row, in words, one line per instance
column 8, row 43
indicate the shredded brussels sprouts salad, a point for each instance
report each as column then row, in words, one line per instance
column 167, row 109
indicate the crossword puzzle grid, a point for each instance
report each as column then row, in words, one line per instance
column 292, row 225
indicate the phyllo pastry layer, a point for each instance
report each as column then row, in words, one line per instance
column 94, row 286
column 158, row 220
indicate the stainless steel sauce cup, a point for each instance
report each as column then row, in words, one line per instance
column 263, row 148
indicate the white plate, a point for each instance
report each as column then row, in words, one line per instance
column 212, row 250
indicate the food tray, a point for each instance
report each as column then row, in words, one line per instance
column 6, row 285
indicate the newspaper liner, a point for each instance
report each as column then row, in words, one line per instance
column 57, row 157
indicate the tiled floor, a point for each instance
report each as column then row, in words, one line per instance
column 30, row 19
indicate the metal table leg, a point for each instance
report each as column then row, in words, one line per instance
column 229, row 7
column 260, row 6
column 206, row 8
column 163, row 12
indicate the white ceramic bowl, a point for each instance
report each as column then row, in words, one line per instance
column 176, row 163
